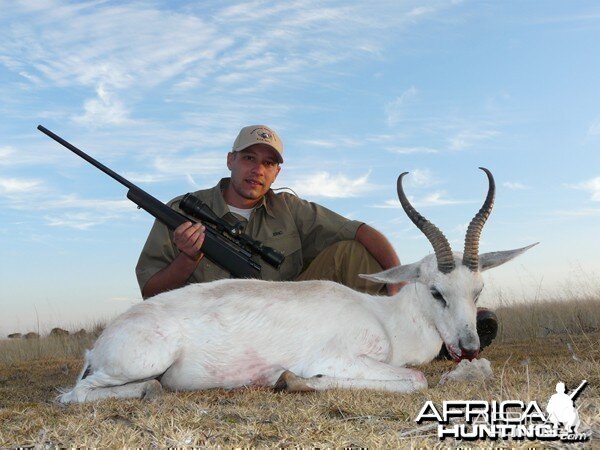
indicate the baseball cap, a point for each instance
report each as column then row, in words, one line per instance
column 258, row 134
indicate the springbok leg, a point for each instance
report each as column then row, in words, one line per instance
column 99, row 386
column 362, row 373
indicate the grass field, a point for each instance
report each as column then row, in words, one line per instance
column 538, row 345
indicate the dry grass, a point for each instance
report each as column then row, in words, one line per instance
column 530, row 358
column 22, row 350
column 547, row 318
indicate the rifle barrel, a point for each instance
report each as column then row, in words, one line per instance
column 579, row 388
column 87, row 157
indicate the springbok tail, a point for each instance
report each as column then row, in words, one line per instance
column 67, row 393
column 87, row 368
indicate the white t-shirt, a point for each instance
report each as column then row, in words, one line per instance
column 245, row 213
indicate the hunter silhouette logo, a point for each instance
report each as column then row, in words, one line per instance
column 471, row 420
column 561, row 408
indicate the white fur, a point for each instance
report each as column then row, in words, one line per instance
column 232, row 333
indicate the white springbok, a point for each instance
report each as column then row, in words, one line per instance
column 309, row 335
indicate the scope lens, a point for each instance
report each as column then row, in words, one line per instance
column 272, row 256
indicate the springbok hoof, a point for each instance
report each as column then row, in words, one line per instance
column 290, row 382
column 152, row 391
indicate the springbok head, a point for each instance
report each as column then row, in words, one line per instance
column 448, row 284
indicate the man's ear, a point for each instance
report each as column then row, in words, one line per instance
column 230, row 158
column 395, row 274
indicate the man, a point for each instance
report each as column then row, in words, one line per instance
column 317, row 243
column 561, row 410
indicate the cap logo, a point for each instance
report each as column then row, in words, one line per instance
column 263, row 134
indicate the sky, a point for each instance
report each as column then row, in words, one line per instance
column 358, row 91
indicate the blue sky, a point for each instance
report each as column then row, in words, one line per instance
column 358, row 91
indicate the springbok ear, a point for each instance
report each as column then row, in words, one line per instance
column 495, row 259
column 395, row 274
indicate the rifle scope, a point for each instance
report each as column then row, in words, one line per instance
column 193, row 206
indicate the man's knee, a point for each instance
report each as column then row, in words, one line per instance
column 342, row 262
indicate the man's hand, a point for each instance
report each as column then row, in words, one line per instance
column 189, row 238
column 381, row 249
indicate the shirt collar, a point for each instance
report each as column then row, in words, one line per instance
column 220, row 207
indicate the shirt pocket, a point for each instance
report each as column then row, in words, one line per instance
column 291, row 246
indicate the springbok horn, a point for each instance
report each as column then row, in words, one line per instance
column 471, row 254
column 441, row 247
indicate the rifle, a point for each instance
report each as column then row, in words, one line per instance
column 575, row 393
column 225, row 245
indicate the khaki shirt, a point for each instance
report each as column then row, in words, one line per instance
column 297, row 228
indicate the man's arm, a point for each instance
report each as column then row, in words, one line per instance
column 188, row 238
column 381, row 249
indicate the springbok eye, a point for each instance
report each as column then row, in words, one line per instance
column 438, row 296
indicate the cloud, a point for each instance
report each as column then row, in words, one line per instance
column 6, row 152
column 72, row 211
column 77, row 220
column 132, row 46
column 592, row 185
column 345, row 141
column 585, row 212
column 25, row 155
column 106, row 109
column 324, row 184
column 115, row 46
column 411, row 150
column 391, row 203
column 151, row 65
column 468, row 138
column 335, row 142
column 437, row 198
column 214, row 67
column 594, row 128
column 201, row 163
column 395, row 109
column 514, row 185
column 421, row 11
column 421, row 178
column 18, row 186
column 32, row 78
column 73, row 201
column 586, row 16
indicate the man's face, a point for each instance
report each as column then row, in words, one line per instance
column 253, row 171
